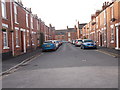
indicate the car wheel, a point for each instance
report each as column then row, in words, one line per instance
column 83, row 47
column 43, row 50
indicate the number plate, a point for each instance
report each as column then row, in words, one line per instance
column 47, row 45
column 90, row 46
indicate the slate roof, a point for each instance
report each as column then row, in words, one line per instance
column 82, row 25
column 60, row 32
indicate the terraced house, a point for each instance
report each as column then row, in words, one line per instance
column 104, row 27
column 21, row 30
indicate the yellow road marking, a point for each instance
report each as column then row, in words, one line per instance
column 107, row 53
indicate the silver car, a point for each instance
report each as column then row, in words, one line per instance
column 78, row 42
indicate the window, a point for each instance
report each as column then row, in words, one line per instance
column 69, row 39
column 28, row 42
column 69, row 34
column 112, row 35
column 37, row 25
column 96, row 22
column 101, row 21
column 104, row 17
column 31, row 22
column 104, row 35
column 112, row 12
column 15, row 13
column 3, row 4
column 27, row 20
column 17, row 39
column 33, row 38
column 5, row 40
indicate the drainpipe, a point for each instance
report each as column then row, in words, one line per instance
column 13, row 49
column 106, row 30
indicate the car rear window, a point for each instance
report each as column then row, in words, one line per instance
column 79, row 40
column 48, row 42
column 88, row 41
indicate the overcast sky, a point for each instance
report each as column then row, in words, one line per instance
column 61, row 13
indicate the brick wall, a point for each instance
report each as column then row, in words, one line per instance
column 104, row 30
column 0, row 29
column 28, row 38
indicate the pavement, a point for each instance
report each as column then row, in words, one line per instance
column 9, row 63
column 111, row 51
column 68, row 67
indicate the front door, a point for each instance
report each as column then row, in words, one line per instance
column 117, row 38
column 22, row 41
column 101, row 40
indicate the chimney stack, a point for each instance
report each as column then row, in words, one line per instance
column 97, row 12
column 105, row 5
column 67, row 27
column 93, row 16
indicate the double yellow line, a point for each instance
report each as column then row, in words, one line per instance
column 108, row 53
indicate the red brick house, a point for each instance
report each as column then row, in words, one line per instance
column 61, row 34
column 78, row 28
column 0, row 29
column 68, row 34
column 20, row 29
column 105, row 25
column 71, row 34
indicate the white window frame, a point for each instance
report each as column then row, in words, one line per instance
column 15, row 13
column 104, row 17
column 96, row 22
column 112, row 12
column 31, row 22
column 17, row 38
column 104, row 31
column 27, row 20
column 112, row 35
column 3, row 5
column 37, row 25
column 69, row 34
column 5, row 46
column 33, row 38
column 28, row 36
column 69, row 39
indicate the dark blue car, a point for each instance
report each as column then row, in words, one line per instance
column 48, row 45
column 87, row 43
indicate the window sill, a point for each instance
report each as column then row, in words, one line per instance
column 28, row 45
column 6, row 48
column 4, row 18
column 112, row 42
column 17, row 46
column 16, row 23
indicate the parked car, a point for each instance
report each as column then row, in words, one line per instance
column 78, row 42
column 56, row 42
column 73, row 42
column 48, row 45
column 87, row 43
column 60, row 43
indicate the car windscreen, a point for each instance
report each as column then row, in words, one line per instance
column 79, row 40
column 88, row 41
column 48, row 42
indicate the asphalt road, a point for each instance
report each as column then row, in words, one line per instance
column 68, row 67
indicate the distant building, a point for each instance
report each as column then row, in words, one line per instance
column 71, row 34
column 61, row 34
column 78, row 28
column 66, row 34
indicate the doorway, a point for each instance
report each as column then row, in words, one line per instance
column 117, row 37
column 22, row 41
